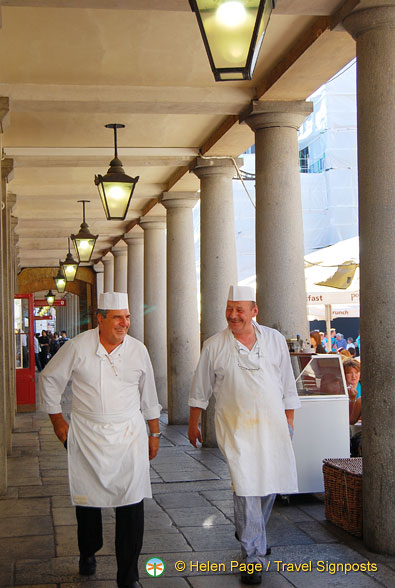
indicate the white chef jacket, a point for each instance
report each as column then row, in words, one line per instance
column 252, row 389
column 107, row 442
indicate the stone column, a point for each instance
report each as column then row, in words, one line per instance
column 7, row 303
column 135, row 242
column 218, row 262
column 120, row 252
column 155, row 298
column 99, row 270
column 183, row 338
column 4, row 113
column 373, row 28
column 108, row 262
column 281, row 290
column 11, row 201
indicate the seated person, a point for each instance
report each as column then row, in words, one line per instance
column 331, row 384
column 352, row 372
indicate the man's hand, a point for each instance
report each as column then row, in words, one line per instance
column 60, row 426
column 194, row 434
column 153, row 446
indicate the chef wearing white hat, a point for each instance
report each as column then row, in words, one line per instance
column 108, row 450
column 247, row 368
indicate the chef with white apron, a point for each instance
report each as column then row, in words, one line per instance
column 248, row 369
column 113, row 393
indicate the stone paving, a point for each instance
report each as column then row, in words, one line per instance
column 189, row 523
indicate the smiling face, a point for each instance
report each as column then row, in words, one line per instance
column 239, row 315
column 114, row 327
column 352, row 376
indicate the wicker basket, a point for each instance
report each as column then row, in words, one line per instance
column 343, row 493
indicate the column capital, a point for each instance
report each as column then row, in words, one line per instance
column 119, row 250
column 152, row 222
column 211, row 166
column 134, row 236
column 276, row 113
column 7, row 168
column 98, row 267
column 179, row 199
column 369, row 15
column 4, row 113
column 108, row 258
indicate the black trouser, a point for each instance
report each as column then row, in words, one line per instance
column 129, row 528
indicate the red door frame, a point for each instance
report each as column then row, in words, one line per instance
column 26, row 377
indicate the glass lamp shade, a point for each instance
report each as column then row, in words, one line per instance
column 84, row 243
column 60, row 281
column 69, row 267
column 50, row 297
column 116, row 190
column 232, row 32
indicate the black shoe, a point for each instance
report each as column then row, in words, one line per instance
column 87, row 565
column 268, row 548
column 254, row 578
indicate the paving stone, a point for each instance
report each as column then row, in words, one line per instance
column 199, row 486
column 317, row 511
column 61, row 501
column 197, row 517
column 295, row 514
column 20, row 526
column 64, row 516
column 37, row 586
column 24, row 507
column 169, row 539
column 49, row 490
column 189, row 465
column 164, row 582
column 182, row 476
column 281, row 532
column 25, row 439
column 41, row 571
column 214, row 495
column 319, row 532
column 226, row 506
column 181, row 499
column 14, row 548
column 5, row 573
column 66, row 540
column 211, row 537
column 233, row 581
column 316, row 579
column 11, row 493
column 154, row 521
column 91, row 584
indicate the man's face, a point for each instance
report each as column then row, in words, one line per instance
column 239, row 315
column 114, row 327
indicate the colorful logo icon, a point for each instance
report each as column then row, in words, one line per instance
column 154, row 567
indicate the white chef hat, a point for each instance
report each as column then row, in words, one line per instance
column 113, row 301
column 241, row 293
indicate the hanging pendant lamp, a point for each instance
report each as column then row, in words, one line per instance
column 50, row 296
column 232, row 32
column 60, row 281
column 116, row 188
column 84, row 241
column 69, row 266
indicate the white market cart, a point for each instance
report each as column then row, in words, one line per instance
column 322, row 423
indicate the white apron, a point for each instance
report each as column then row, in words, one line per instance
column 106, row 456
column 251, row 427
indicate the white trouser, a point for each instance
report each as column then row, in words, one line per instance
column 251, row 516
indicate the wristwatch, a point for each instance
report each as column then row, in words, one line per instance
column 155, row 434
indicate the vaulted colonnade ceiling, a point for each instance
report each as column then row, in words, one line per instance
column 69, row 67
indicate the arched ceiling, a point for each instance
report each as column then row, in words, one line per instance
column 69, row 67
